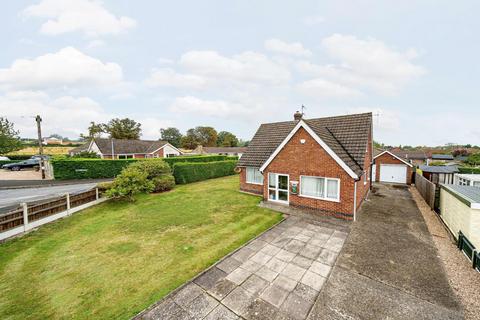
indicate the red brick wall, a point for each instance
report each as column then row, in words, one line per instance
column 362, row 187
column 310, row 158
column 248, row 187
column 387, row 158
column 159, row 153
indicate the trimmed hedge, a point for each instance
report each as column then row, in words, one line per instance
column 186, row 172
column 72, row 168
column 469, row 170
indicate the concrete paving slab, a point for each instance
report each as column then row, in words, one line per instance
column 221, row 313
column 222, row 288
column 285, row 255
column 320, row 268
column 208, row 279
column 202, row 305
column 293, row 272
column 296, row 306
column 254, row 284
column 187, row 294
column 285, row 283
column 238, row 275
column 260, row 310
column 238, row 301
column 313, row 280
column 302, row 262
column 306, row 292
column 266, row 274
column 276, row 264
column 229, row 264
column 274, row 295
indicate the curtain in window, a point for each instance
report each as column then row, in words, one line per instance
column 332, row 189
column 313, row 187
column 250, row 175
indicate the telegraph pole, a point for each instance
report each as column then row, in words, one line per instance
column 38, row 119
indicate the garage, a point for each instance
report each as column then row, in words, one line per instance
column 391, row 168
column 393, row 173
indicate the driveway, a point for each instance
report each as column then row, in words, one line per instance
column 12, row 197
column 389, row 267
column 276, row 276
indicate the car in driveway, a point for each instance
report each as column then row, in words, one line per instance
column 17, row 166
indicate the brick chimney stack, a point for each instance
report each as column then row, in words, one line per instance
column 297, row 116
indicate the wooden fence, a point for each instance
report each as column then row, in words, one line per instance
column 427, row 189
column 28, row 216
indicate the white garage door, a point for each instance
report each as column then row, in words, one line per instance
column 396, row 173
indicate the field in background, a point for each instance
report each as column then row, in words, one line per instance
column 46, row 150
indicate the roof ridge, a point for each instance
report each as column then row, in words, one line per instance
column 320, row 118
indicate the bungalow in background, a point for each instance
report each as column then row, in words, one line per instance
column 416, row 158
column 439, row 174
column 128, row 149
column 442, row 158
column 52, row 140
column 227, row 151
column 319, row 164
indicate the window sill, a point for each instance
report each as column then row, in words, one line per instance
column 258, row 184
column 317, row 198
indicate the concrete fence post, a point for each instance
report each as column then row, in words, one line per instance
column 25, row 216
column 68, row 202
column 96, row 191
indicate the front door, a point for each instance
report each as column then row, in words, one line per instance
column 278, row 187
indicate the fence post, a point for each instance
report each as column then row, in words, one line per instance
column 68, row 203
column 96, row 193
column 25, row 216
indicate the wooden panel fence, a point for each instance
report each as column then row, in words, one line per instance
column 29, row 216
column 426, row 189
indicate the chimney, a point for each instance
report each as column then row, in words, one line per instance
column 297, row 116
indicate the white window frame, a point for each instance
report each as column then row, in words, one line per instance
column 256, row 171
column 337, row 199
column 276, row 189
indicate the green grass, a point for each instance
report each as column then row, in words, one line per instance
column 115, row 259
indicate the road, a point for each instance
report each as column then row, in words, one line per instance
column 12, row 197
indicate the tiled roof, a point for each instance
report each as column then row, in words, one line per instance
column 469, row 193
column 124, row 146
column 417, row 155
column 346, row 135
column 82, row 148
column 224, row 149
column 442, row 157
column 439, row 169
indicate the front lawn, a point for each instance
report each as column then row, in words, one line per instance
column 115, row 259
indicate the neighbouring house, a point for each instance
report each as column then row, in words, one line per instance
column 442, row 158
column 389, row 167
column 464, row 179
column 416, row 158
column 439, row 174
column 128, row 149
column 321, row 164
column 228, row 151
column 52, row 140
column 460, row 210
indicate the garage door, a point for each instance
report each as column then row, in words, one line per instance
column 396, row 173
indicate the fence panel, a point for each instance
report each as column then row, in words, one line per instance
column 427, row 189
column 11, row 220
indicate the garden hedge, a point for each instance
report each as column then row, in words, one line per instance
column 469, row 170
column 71, row 168
column 186, row 172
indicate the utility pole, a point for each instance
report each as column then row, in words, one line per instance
column 38, row 119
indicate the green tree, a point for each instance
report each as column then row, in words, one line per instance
column 95, row 130
column 9, row 139
column 243, row 143
column 474, row 159
column 226, row 139
column 204, row 136
column 123, row 129
column 172, row 135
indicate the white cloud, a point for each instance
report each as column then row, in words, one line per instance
column 170, row 78
column 247, row 67
column 89, row 17
column 321, row 88
column 313, row 20
column 212, row 108
column 369, row 63
column 95, row 44
column 293, row 48
column 68, row 67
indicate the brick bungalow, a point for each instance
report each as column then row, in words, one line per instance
column 128, row 149
column 321, row 164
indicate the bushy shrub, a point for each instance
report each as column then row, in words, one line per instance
column 129, row 183
column 163, row 183
column 471, row 170
column 153, row 168
column 104, row 186
column 186, row 172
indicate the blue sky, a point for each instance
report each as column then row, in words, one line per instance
column 235, row 64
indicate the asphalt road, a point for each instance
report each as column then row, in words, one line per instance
column 12, row 197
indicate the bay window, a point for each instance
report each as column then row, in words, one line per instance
column 320, row 188
column 254, row 176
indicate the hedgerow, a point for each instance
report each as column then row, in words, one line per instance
column 186, row 172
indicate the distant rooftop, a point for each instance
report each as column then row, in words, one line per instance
column 439, row 169
column 442, row 157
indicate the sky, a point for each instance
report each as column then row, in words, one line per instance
column 236, row 64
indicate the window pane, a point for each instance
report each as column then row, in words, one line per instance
column 271, row 180
column 272, row 195
column 311, row 186
column 258, row 176
column 476, row 183
column 283, row 182
column 283, row 195
column 250, row 175
column 332, row 189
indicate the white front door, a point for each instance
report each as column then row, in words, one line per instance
column 278, row 187
column 395, row 173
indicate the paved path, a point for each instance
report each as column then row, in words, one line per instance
column 388, row 268
column 12, row 197
column 276, row 276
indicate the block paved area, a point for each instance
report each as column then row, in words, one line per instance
column 276, row 276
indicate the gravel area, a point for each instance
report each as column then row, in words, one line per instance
column 463, row 279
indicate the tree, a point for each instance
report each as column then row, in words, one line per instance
column 123, row 129
column 94, row 131
column 9, row 139
column 204, row 136
column 460, row 152
column 243, row 143
column 172, row 135
column 474, row 159
column 226, row 139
